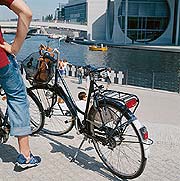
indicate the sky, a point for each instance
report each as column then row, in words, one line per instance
column 39, row 8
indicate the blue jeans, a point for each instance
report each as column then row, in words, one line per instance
column 17, row 102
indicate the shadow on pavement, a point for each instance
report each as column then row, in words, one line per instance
column 83, row 160
column 8, row 153
column 62, row 136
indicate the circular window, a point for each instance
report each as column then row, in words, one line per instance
column 147, row 19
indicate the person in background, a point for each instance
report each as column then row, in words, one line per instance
column 61, row 67
column 82, row 96
column 81, row 103
column 13, row 85
column 80, row 74
column 108, row 78
column 87, row 77
column 65, row 63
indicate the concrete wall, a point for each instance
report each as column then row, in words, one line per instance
column 96, row 14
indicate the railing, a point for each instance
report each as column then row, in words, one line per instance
column 162, row 81
column 155, row 80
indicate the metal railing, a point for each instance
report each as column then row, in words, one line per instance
column 155, row 80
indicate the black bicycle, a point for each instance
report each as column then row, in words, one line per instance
column 120, row 140
column 36, row 115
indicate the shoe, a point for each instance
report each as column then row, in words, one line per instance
column 21, row 161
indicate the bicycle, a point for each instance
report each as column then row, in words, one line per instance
column 36, row 115
column 119, row 138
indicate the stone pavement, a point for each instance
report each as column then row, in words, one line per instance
column 158, row 110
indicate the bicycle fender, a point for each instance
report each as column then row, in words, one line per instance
column 146, row 145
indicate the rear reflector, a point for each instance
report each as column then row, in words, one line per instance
column 131, row 103
column 144, row 133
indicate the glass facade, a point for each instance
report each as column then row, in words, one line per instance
column 76, row 13
column 147, row 19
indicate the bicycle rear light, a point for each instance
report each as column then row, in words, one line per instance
column 131, row 103
column 144, row 132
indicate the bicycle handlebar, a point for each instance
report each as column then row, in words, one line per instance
column 92, row 69
column 46, row 54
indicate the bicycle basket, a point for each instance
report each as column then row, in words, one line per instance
column 38, row 69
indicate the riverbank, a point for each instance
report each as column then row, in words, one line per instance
column 161, row 48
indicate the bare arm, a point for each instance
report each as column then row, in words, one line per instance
column 24, row 18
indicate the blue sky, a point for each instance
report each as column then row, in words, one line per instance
column 38, row 7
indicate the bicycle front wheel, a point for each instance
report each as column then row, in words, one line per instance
column 122, row 152
column 59, row 119
column 36, row 113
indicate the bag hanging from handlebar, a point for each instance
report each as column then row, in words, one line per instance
column 45, row 70
column 38, row 68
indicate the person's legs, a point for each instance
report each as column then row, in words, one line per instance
column 24, row 147
column 18, row 110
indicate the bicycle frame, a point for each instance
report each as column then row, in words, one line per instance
column 69, row 100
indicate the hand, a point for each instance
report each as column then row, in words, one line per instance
column 7, row 47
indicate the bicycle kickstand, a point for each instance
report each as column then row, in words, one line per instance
column 77, row 152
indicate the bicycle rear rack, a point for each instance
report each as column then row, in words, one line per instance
column 130, row 100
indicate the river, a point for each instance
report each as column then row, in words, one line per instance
column 145, row 68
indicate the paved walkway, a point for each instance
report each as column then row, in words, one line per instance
column 158, row 110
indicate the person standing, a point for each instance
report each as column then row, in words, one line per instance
column 79, row 74
column 61, row 67
column 108, row 78
column 13, row 85
column 65, row 63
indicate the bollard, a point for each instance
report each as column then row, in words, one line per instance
column 125, row 78
column 76, row 71
column 116, row 77
column 70, row 70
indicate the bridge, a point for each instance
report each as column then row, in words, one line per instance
column 10, row 25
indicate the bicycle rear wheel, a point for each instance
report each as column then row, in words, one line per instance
column 36, row 113
column 123, row 153
column 59, row 119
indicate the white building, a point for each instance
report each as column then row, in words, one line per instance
column 130, row 21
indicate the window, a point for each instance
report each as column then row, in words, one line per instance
column 147, row 19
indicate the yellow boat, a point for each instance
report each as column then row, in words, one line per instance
column 98, row 48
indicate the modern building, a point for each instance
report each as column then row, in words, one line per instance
column 75, row 11
column 59, row 12
column 90, row 12
column 143, row 21
column 128, row 21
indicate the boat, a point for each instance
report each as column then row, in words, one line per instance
column 98, row 48
column 57, row 36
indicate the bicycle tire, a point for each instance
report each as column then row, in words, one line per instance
column 124, row 154
column 36, row 113
column 59, row 120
